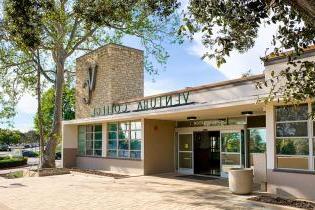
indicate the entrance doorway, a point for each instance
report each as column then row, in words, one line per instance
column 185, row 153
column 207, row 153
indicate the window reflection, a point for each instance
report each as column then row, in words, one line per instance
column 292, row 144
column 230, row 150
column 90, row 140
column 230, row 142
column 257, row 142
column 124, row 140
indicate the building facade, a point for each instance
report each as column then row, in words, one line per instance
column 204, row 130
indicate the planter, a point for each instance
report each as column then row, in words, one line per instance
column 241, row 180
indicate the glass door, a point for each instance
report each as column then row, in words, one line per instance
column 185, row 153
column 230, row 151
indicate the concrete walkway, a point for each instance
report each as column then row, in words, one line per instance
column 82, row 191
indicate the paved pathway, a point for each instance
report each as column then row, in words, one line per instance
column 82, row 191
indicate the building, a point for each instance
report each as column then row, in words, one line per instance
column 201, row 130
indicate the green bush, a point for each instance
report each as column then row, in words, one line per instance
column 4, row 157
column 14, row 175
column 13, row 162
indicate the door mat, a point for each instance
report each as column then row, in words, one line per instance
column 201, row 178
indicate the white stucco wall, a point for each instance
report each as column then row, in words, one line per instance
column 270, row 136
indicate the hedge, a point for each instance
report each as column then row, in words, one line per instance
column 12, row 162
column 4, row 157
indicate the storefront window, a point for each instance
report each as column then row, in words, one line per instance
column 292, row 143
column 90, row 140
column 124, row 140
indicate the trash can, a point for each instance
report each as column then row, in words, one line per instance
column 241, row 180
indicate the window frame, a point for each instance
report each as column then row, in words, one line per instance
column 93, row 140
column 309, row 137
column 128, row 138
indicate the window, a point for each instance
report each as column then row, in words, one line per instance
column 230, row 150
column 90, row 140
column 257, row 142
column 292, row 142
column 124, row 140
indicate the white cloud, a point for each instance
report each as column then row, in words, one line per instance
column 27, row 104
column 240, row 63
column 24, row 127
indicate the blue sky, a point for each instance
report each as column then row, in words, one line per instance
column 184, row 69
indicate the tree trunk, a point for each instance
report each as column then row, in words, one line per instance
column 55, row 135
column 39, row 113
column 306, row 9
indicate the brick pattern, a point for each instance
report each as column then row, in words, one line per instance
column 119, row 77
column 84, row 191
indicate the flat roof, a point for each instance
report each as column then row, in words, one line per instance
column 201, row 87
column 274, row 58
column 106, row 46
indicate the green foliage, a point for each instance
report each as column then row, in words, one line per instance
column 9, row 137
column 256, row 142
column 29, row 137
column 292, row 147
column 62, row 30
column 228, row 25
column 13, row 162
column 231, row 142
column 14, row 175
column 48, row 108
column 4, row 157
column 29, row 21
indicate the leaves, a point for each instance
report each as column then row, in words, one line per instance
column 229, row 25
column 48, row 108
column 236, row 24
column 63, row 30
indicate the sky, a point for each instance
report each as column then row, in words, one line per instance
column 184, row 68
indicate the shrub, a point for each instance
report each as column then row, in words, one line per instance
column 14, row 175
column 13, row 162
column 4, row 157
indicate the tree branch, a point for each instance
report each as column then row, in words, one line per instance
column 83, row 39
column 73, row 32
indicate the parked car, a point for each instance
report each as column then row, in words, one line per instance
column 27, row 146
column 58, row 156
column 5, row 148
column 27, row 153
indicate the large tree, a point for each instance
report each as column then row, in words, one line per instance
column 68, row 105
column 60, row 29
column 9, row 137
column 228, row 25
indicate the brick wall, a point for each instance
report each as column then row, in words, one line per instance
column 119, row 77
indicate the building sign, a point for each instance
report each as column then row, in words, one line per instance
column 89, row 83
column 212, row 122
column 158, row 102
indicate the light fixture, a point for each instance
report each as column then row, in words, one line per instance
column 247, row 113
column 191, row 118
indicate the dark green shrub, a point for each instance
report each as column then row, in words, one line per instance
column 13, row 162
column 4, row 157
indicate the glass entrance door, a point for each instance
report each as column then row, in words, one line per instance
column 230, row 151
column 185, row 153
column 207, row 153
